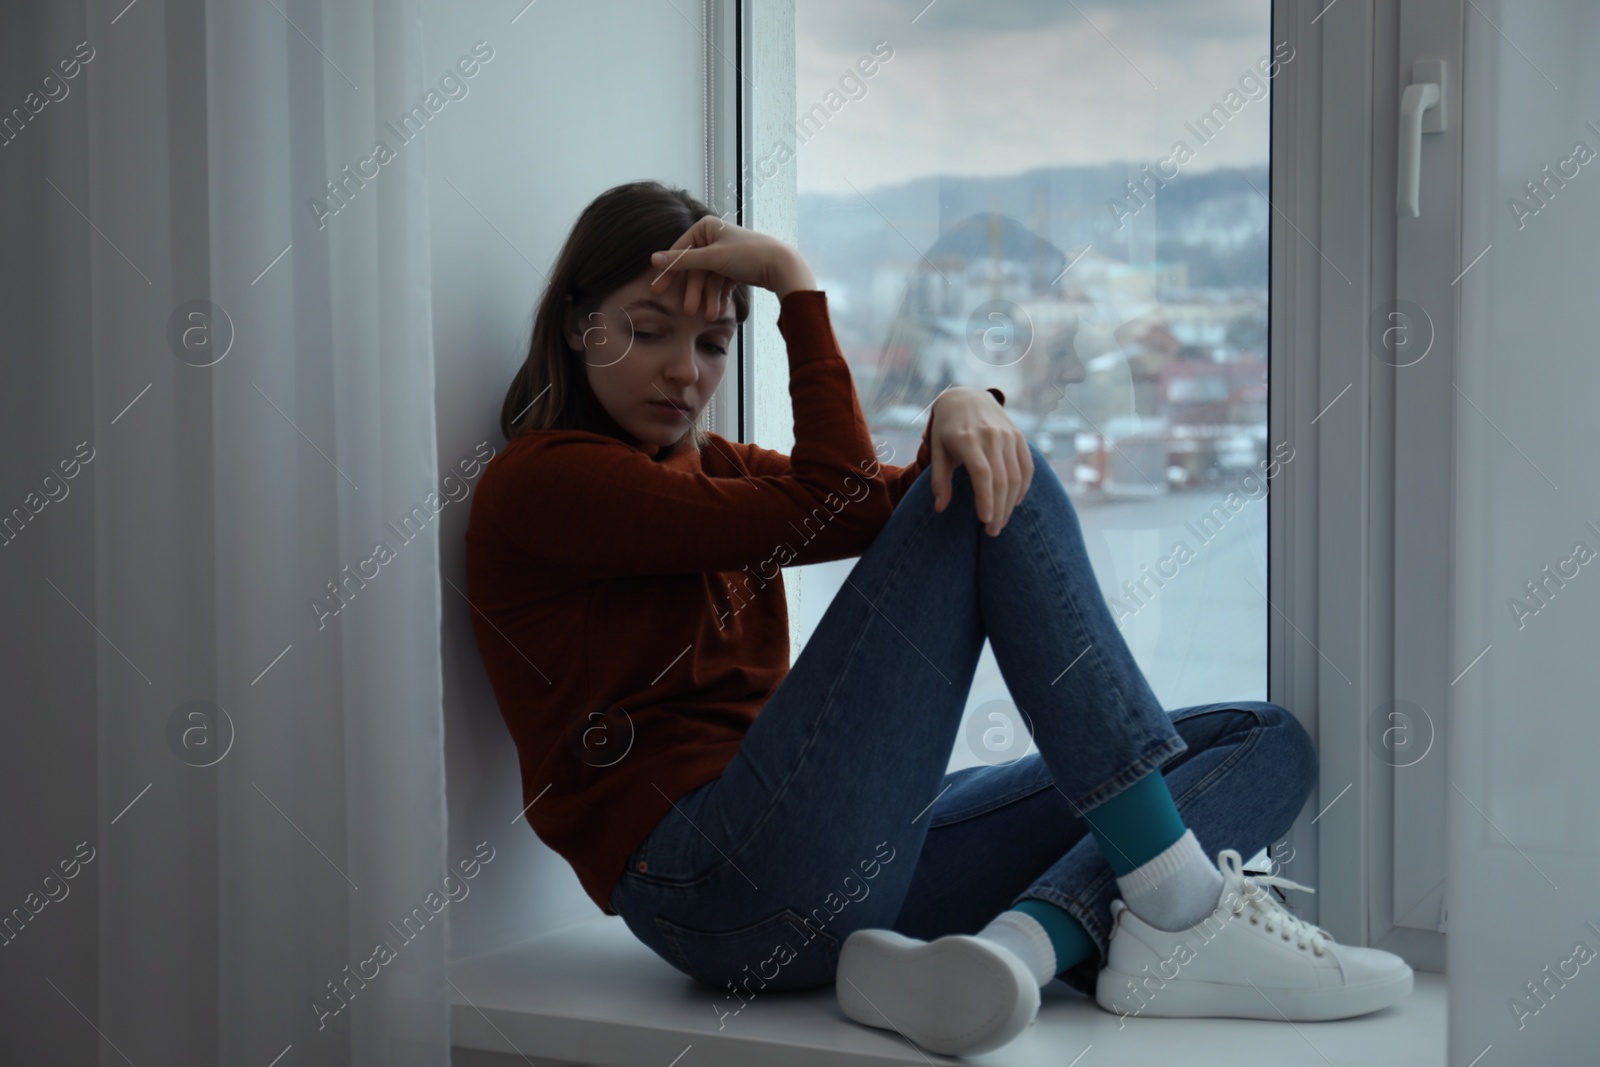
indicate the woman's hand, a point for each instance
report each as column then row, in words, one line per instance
column 970, row 427
column 717, row 255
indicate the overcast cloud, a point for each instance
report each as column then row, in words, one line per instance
column 1002, row 86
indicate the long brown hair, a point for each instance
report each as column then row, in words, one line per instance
column 609, row 246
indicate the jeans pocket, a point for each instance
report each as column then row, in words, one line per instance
column 780, row 952
column 674, row 853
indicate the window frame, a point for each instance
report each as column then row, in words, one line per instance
column 1338, row 613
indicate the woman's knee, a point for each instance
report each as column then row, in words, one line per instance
column 1045, row 488
column 962, row 491
column 1293, row 743
column 1041, row 462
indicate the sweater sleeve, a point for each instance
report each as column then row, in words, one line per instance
column 593, row 507
column 760, row 460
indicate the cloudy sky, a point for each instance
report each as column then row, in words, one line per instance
column 1002, row 86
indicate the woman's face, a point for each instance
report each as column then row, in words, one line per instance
column 651, row 364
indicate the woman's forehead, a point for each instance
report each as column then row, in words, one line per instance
column 637, row 297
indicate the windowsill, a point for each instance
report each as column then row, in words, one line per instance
column 591, row 993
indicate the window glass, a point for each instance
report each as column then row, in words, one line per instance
column 1068, row 201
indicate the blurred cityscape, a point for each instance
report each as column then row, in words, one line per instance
column 1132, row 351
column 1135, row 357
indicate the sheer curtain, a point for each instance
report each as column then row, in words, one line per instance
column 222, row 661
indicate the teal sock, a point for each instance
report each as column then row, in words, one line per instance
column 1137, row 824
column 1067, row 935
column 1133, row 827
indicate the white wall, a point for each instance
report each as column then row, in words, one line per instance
column 577, row 98
column 1524, row 857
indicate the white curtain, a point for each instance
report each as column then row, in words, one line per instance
column 217, row 679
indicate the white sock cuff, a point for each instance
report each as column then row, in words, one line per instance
column 1023, row 935
column 1168, row 862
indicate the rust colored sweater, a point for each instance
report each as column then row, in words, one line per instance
column 629, row 605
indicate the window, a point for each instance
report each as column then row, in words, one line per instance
column 1068, row 202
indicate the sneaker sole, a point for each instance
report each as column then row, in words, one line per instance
column 950, row 996
column 1189, row 999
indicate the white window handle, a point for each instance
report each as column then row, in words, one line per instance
column 1421, row 111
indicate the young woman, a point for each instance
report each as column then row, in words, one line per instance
column 763, row 828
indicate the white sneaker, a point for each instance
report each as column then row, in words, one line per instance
column 1249, row 959
column 952, row 995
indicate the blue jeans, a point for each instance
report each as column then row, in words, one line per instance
column 837, row 814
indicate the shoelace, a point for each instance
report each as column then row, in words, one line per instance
column 1246, row 893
